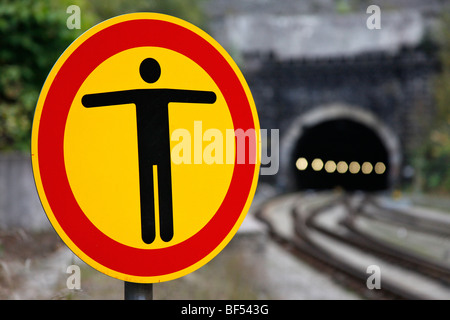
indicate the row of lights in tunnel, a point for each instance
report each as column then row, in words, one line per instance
column 342, row 167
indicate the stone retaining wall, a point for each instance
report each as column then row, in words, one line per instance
column 19, row 202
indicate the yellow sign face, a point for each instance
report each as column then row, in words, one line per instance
column 145, row 147
column 101, row 148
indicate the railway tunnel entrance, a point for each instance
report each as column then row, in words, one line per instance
column 344, row 147
column 342, row 153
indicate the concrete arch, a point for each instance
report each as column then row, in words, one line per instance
column 334, row 112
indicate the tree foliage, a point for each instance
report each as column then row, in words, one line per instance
column 433, row 159
column 34, row 33
column 32, row 36
column 189, row 10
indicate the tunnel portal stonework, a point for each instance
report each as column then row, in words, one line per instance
column 303, row 62
column 390, row 94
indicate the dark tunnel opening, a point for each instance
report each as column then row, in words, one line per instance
column 340, row 153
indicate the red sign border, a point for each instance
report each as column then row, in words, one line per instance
column 50, row 147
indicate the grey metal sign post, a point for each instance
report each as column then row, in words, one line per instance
column 138, row 291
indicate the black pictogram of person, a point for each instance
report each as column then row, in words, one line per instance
column 153, row 136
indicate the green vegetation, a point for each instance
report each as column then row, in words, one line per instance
column 189, row 10
column 33, row 34
column 432, row 160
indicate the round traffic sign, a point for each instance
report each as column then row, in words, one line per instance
column 145, row 147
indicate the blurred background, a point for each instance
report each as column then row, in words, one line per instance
column 364, row 149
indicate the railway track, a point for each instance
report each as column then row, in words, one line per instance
column 344, row 234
